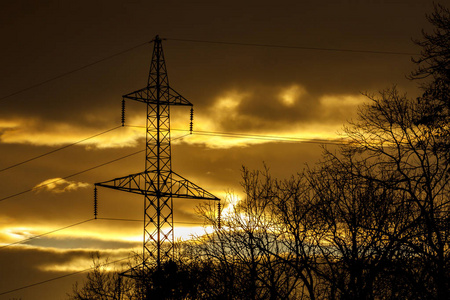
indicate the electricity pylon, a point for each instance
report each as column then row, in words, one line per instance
column 157, row 183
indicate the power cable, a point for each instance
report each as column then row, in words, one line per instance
column 59, row 149
column 82, row 222
column 138, row 220
column 294, row 47
column 120, row 219
column 72, row 71
column 269, row 137
column 46, row 233
column 64, row 276
column 259, row 136
column 190, row 223
column 209, row 42
column 211, row 133
column 78, row 272
column 75, row 174
column 81, row 172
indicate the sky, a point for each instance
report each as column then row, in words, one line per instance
column 275, row 78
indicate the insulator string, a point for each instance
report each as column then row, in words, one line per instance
column 95, row 203
column 191, row 125
column 123, row 111
column 219, row 225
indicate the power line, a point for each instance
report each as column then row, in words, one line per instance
column 259, row 136
column 211, row 133
column 139, row 220
column 121, row 219
column 269, row 137
column 200, row 132
column 72, row 71
column 46, row 233
column 81, row 172
column 296, row 47
column 75, row 174
column 82, row 222
column 78, row 272
column 58, row 149
column 64, row 276
column 209, row 42
column 190, row 223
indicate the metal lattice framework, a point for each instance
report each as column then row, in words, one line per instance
column 158, row 183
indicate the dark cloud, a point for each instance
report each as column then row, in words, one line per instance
column 267, row 109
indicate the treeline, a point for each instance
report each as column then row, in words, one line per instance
column 369, row 221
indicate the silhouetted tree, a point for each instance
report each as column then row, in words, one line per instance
column 434, row 61
column 407, row 157
column 433, row 73
column 289, row 209
column 102, row 284
column 355, row 217
column 244, row 251
column 172, row 281
column 182, row 278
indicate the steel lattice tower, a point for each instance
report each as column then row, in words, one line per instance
column 157, row 183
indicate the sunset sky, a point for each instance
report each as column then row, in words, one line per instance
column 273, row 105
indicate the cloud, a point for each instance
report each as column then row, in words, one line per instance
column 59, row 185
column 291, row 95
column 282, row 111
column 271, row 108
column 39, row 132
column 28, row 265
column 247, row 116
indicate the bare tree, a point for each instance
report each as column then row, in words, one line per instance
column 433, row 74
column 290, row 209
column 355, row 219
column 433, row 65
column 407, row 157
column 246, row 249
column 184, row 277
column 103, row 284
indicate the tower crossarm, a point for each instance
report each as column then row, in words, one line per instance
column 176, row 99
column 148, row 95
column 134, row 183
column 183, row 188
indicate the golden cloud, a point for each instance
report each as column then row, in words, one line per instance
column 343, row 100
column 40, row 133
column 229, row 122
column 289, row 96
column 59, row 185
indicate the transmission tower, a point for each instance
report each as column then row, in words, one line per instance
column 157, row 183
